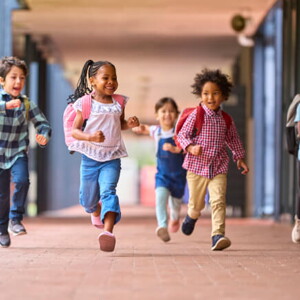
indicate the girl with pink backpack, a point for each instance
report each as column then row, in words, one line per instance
column 101, row 145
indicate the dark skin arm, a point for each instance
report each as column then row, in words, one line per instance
column 78, row 134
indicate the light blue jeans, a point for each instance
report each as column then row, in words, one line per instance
column 98, row 180
column 162, row 196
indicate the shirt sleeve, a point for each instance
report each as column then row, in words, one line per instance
column 297, row 116
column 41, row 124
column 77, row 105
column 234, row 143
column 184, row 136
column 152, row 130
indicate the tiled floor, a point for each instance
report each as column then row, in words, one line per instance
column 59, row 259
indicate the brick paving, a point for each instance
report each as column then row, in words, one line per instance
column 59, row 259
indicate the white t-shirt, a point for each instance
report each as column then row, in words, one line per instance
column 105, row 118
column 154, row 132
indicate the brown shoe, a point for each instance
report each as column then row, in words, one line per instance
column 163, row 234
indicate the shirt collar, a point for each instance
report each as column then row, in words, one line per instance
column 5, row 96
column 211, row 112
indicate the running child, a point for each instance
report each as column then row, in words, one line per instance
column 16, row 111
column 101, row 146
column 207, row 160
column 170, row 178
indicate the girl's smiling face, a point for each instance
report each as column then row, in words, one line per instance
column 105, row 81
column 167, row 116
column 14, row 81
column 212, row 95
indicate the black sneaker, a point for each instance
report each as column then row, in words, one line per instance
column 220, row 242
column 188, row 225
column 16, row 227
column 4, row 240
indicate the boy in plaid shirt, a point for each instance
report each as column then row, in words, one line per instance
column 15, row 113
column 206, row 160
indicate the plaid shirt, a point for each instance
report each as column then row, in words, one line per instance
column 213, row 139
column 14, row 138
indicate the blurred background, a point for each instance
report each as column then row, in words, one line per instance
column 158, row 46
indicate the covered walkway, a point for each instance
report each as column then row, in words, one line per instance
column 59, row 259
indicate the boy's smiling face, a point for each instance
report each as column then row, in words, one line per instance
column 14, row 81
column 212, row 95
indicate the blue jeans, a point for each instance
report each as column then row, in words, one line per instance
column 98, row 180
column 20, row 177
column 163, row 196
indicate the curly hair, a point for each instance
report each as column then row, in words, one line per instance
column 161, row 102
column 7, row 62
column 89, row 69
column 215, row 76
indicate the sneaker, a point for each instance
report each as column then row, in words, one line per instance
column 174, row 225
column 107, row 241
column 4, row 240
column 296, row 231
column 16, row 227
column 188, row 225
column 163, row 234
column 220, row 242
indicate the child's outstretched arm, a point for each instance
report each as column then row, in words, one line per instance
column 78, row 134
column 142, row 129
column 242, row 165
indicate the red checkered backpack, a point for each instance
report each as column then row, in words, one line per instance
column 198, row 123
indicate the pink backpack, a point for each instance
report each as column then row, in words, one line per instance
column 70, row 114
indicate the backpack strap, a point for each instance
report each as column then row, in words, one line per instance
column 86, row 106
column 199, row 120
column 27, row 106
column 227, row 118
column 120, row 99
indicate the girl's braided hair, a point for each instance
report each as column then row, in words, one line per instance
column 215, row 76
column 89, row 69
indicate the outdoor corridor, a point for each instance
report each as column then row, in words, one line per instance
column 60, row 259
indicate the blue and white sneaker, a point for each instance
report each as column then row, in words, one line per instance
column 220, row 242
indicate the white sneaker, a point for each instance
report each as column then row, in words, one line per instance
column 296, row 231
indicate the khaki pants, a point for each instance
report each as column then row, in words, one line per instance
column 217, row 198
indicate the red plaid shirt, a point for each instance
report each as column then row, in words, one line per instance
column 213, row 139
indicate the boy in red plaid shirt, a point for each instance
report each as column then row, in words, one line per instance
column 206, row 160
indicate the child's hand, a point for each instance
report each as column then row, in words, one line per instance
column 41, row 140
column 139, row 129
column 167, row 147
column 241, row 164
column 13, row 104
column 133, row 122
column 194, row 149
column 97, row 136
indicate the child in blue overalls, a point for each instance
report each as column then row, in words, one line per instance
column 170, row 178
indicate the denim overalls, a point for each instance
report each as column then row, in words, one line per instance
column 170, row 181
column 170, row 173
